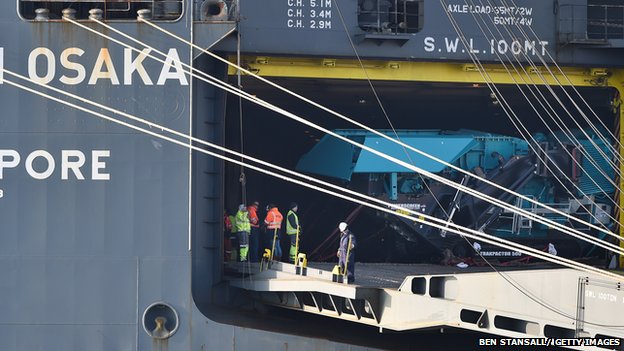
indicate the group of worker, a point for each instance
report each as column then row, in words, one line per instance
column 245, row 232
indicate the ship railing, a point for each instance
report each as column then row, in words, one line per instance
column 571, row 207
column 51, row 10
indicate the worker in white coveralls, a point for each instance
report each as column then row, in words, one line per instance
column 346, row 254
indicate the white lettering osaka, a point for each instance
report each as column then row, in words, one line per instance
column 43, row 67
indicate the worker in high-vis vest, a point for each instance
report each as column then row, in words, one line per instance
column 293, row 230
column 233, row 239
column 273, row 222
column 242, row 232
column 254, row 235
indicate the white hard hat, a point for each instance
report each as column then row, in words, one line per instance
column 476, row 246
column 242, row 207
column 342, row 226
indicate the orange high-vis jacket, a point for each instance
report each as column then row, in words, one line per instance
column 253, row 216
column 273, row 219
column 227, row 223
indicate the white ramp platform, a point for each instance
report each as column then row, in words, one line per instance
column 540, row 303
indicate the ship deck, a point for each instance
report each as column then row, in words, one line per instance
column 391, row 275
column 387, row 275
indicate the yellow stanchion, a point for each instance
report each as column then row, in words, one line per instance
column 266, row 257
column 273, row 245
column 302, row 260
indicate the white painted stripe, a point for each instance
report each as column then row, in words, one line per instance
column 1, row 65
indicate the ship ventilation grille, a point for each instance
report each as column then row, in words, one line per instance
column 599, row 183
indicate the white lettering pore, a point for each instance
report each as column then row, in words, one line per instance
column 96, row 164
column 81, row 73
column 31, row 159
column 12, row 163
column 50, row 69
column 172, row 59
column 74, row 165
column 104, row 59
column 135, row 65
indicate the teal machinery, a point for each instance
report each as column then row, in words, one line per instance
column 573, row 177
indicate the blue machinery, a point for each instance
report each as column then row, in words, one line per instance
column 504, row 160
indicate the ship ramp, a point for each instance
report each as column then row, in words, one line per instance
column 537, row 305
